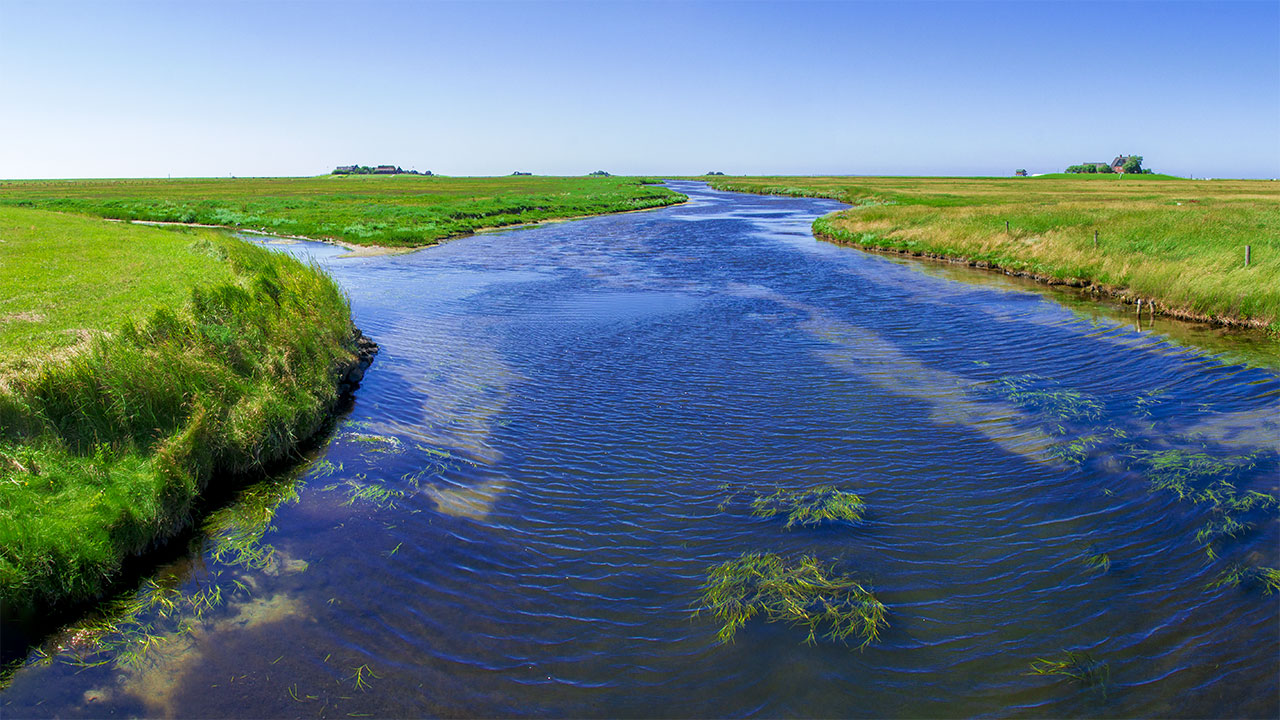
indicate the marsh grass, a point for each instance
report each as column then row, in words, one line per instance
column 1080, row 667
column 814, row 506
column 803, row 593
column 105, row 453
column 1180, row 242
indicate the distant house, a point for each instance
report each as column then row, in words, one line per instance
column 387, row 170
column 1020, row 173
column 521, row 173
column 344, row 169
column 1117, row 165
column 715, row 172
column 599, row 173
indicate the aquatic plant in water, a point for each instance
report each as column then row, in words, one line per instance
column 1074, row 452
column 1097, row 562
column 1266, row 578
column 1043, row 395
column 1078, row 666
column 804, row 593
column 810, row 507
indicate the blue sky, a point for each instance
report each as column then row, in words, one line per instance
column 189, row 88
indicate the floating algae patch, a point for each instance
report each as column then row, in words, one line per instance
column 810, row 507
column 1080, row 667
column 1046, row 397
column 803, row 593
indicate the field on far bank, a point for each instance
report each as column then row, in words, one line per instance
column 1178, row 242
column 389, row 210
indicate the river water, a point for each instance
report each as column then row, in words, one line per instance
column 565, row 432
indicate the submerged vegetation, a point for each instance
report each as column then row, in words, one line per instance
column 107, row 449
column 388, row 210
column 810, row 507
column 1178, row 242
column 804, row 593
column 1045, row 396
column 1077, row 666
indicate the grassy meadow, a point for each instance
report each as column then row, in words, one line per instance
column 386, row 210
column 1178, row 242
column 65, row 278
column 137, row 366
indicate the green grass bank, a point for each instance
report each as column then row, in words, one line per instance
column 384, row 210
column 1178, row 242
column 138, row 368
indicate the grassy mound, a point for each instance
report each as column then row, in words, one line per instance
column 1179, row 242
column 105, row 451
column 393, row 210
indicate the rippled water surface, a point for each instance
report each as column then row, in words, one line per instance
column 565, row 431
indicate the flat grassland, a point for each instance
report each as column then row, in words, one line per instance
column 1178, row 242
column 65, row 278
column 389, row 210
column 137, row 365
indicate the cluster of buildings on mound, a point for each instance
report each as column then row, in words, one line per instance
column 379, row 170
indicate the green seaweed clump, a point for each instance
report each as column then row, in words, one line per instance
column 810, row 507
column 1267, row 578
column 1078, row 666
column 804, row 593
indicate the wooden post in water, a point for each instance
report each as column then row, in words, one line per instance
column 1247, row 249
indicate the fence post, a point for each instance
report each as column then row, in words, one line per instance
column 1247, row 252
column 1095, row 239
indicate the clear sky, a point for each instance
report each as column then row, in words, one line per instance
column 191, row 88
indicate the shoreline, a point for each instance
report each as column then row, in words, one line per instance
column 1152, row 299
column 1124, row 295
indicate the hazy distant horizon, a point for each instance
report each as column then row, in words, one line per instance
column 292, row 89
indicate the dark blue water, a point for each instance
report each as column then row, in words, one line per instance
column 565, row 430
